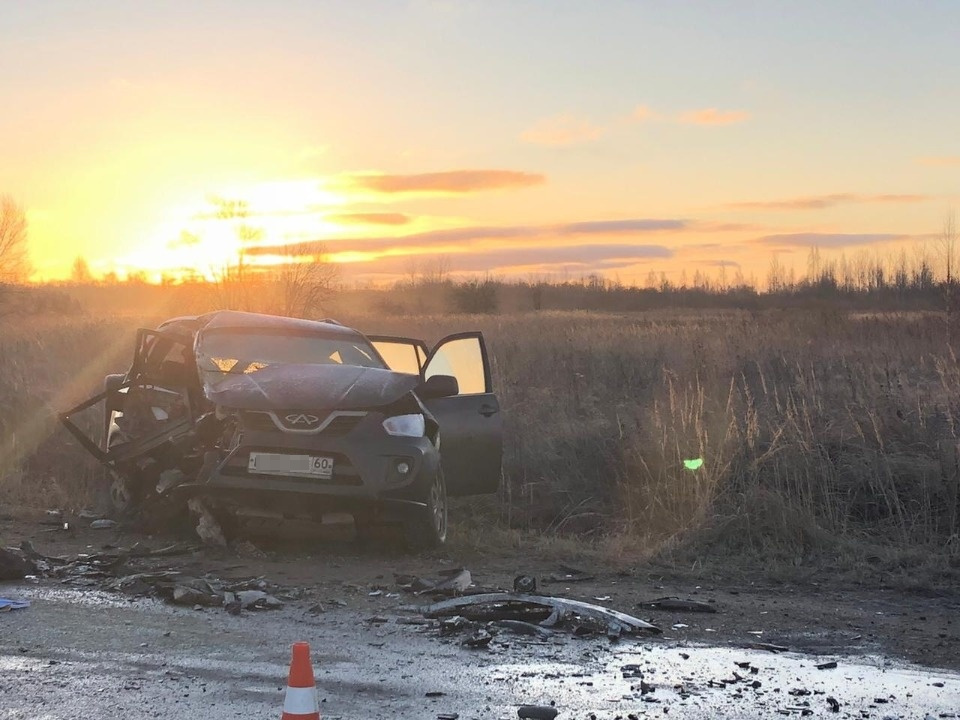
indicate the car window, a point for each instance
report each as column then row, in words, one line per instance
column 463, row 359
column 400, row 357
column 234, row 353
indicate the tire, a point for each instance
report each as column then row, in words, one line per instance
column 428, row 527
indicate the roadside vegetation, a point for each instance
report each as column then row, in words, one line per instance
column 828, row 434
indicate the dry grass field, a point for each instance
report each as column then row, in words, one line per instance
column 826, row 438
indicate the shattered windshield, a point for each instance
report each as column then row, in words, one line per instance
column 233, row 353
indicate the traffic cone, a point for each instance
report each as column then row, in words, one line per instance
column 300, row 702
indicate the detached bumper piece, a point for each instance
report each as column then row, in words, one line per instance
column 548, row 611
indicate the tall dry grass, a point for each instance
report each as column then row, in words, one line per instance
column 817, row 430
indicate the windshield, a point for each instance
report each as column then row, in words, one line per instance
column 231, row 353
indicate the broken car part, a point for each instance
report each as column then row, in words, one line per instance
column 519, row 606
column 537, row 712
column 677, row 605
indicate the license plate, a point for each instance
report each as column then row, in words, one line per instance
column 299, row 465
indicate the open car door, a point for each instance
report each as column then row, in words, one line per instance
column 151, row 407
column 471, row 427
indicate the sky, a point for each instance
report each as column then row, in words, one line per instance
column 513, row 138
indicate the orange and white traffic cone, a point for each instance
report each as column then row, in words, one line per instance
column 300, row 702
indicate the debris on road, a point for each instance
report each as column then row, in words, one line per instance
column 677, row 605
column 768, row 646
column 479, row 639
column 103, row 524
column 583, row 618
column 14, row 565
column 537, row 712
column 449, row 583
column 525, row 584
column 111, row 571
column 6, row 604
column 453, row 625
column 568, row 575
column 525, row 628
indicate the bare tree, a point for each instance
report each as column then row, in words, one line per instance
column 776, row 277
column 947, row 245
column 948, row 251
column 80, row 272
column 14, row 259
column 436, row 271
column 305, row 282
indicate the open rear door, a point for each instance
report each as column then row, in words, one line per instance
column 471, row 427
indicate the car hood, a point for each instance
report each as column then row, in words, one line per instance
column 310, row 387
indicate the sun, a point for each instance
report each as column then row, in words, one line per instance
column 204, row 238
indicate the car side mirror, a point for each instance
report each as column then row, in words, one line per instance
column 438, row 386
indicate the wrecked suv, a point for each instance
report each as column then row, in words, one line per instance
column 299, row 418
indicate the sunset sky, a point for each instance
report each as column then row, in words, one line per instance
column 512, row 137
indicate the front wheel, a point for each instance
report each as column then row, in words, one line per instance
column 428, row 527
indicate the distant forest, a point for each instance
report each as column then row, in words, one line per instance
column 921, row 281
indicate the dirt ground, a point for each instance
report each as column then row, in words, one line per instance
column 354, row 583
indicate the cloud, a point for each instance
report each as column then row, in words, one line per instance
column 712, row 116
column 715, row 227
column 703, row 246
column 721, row 263
column 473, row 235
column 562, row 130
column 583, row 255
column 940, row 160
column 819, row 202
column 828, row 240
column 369, row 218
column 453, row 181
column 611, row 227
column 641, row 113
column 578, row 258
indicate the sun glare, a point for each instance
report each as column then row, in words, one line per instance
column 205, row 238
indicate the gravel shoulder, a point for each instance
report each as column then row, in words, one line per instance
column 76, row 651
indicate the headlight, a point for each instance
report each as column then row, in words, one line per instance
column 405, row 425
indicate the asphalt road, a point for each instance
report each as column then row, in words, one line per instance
column 82, row 653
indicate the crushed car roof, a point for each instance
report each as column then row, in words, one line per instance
column 236, row 320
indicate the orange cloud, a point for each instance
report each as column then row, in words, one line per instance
column 819, row 202
column 712, row 116
column 641, row 113
column 562, row 130
column 940, row 160
column 371, row 218
column 453, row 181
column 828, row 240
column 465, row 236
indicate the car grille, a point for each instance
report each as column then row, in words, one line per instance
column 338, row 426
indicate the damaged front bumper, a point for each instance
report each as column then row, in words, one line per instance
column 368, row 467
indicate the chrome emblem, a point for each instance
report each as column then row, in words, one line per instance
column 302, row 419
